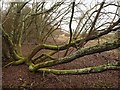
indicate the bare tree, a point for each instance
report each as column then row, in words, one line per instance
column 43, row 22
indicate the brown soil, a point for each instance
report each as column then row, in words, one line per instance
column 18, row 76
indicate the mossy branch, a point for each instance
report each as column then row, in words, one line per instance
column 73, row 43
column 21, row 61
column 88, row 70
column 43, row 56
column 12, row 49
column 80, row 53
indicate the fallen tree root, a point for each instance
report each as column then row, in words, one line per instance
column 21, row 61
column 88, row 70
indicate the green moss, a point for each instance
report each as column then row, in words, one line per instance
column 31, row 67
column 88, row 70
column 21, row 61
column 52, row 47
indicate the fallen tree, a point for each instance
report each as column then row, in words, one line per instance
column 14, row 41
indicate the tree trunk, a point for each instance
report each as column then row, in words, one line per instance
column 80, row 53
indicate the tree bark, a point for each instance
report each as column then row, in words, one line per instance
column 80, row 53
column 73, row 43
column 96, row 69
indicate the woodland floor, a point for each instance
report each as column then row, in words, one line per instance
column 18, row 76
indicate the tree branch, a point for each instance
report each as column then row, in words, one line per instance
column 73, row 5
column 96, row 69
column 73, row 43
column 80, row 53
column 93, row 24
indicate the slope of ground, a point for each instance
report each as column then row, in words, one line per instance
column 20, row 76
